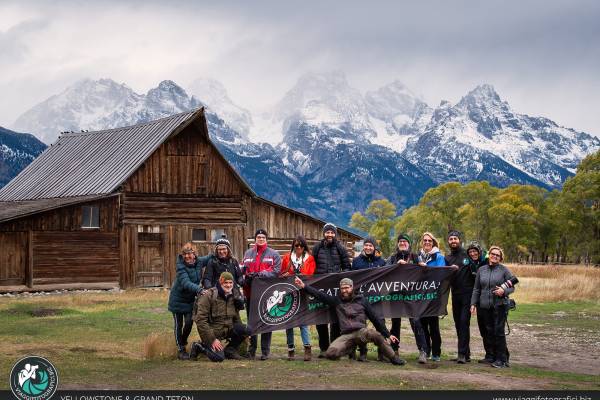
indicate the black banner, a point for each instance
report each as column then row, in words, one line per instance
column 395, row 291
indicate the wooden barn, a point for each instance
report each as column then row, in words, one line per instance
column 114, row 207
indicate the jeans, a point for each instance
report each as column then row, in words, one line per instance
column 304, row 334
column 431, row 328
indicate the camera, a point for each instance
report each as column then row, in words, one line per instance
column 509, row 283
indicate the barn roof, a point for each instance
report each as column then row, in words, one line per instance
column 95, row 163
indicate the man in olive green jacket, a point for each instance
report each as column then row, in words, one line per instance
column 218, row 319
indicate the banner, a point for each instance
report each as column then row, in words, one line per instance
column 395, row 291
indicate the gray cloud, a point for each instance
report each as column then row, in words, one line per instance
column 542, row 57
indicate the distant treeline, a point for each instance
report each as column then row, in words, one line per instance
column 530, row 223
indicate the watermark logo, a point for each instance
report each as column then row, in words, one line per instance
column 33, row 378
column 278, row 303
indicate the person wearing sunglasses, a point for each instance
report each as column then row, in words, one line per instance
column 431, row 256
column 490, row 302
column 298, row 261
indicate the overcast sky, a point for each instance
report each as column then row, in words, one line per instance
column 543, row 57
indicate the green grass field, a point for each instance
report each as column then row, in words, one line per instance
column 124, row 341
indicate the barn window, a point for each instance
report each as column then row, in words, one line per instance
column 90, row 217
column 216, row 234
column 198, row 235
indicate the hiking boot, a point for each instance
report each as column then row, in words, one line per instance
column 499, row 364
column 485, row 361
column 183, row 355
column 196, row 349
column 397, row 361
column 461, row 359
column 435, row 358
column 233, row 355
column 264, row 357
column 422, row 357
column 291, row 354
column 307, row 353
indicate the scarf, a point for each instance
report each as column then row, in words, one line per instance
column 298, row 263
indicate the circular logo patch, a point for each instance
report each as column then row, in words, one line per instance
column 466, row 261
column 278, row 303
column 33, row 378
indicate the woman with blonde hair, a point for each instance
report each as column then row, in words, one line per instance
column 431, row 256
column 183, row 293
column 493, row 283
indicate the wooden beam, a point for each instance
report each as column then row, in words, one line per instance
column 29, row 269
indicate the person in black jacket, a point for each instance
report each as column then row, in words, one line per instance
column 462, row 289
column 219, row 262
column 330, row 256
column 493, row 283
column 404, row 256
column 352, row 312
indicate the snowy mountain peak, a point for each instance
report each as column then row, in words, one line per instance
column 213, row 94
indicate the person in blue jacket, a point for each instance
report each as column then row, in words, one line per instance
column 431, row 256
column 183, row 294
column 368, row 258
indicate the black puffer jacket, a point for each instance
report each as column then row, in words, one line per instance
column 463, row 280
column 215, row 267
column 330, row 257
column 486, row 280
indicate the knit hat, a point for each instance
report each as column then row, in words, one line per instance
column 330, row 227
column 454, row 233
column 225, row 276
column 475, row 245
column 260, row 231
column 404, row 236
column 222, row 241
column 346, row 282
column 371, row 240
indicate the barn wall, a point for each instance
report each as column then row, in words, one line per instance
column 13, row 258
column 282, row 223
column 65, row 257
column 68, row 218
column 185, row 164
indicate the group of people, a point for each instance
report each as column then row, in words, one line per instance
column 212, row 290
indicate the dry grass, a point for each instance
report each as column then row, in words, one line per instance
column 553, row 283
column 159, row 346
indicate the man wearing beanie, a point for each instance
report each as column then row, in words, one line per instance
column 367, row 257
column 352, row 312
column 462, row 289
column 404, row 256
column 330, row 257
column 217, row 320
column 259, row 261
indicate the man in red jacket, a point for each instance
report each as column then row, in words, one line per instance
column 259, row 260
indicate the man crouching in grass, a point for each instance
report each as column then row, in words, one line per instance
column 352, row 311
column 217, row 319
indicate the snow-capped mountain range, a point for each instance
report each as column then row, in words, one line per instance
column 336, row 148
